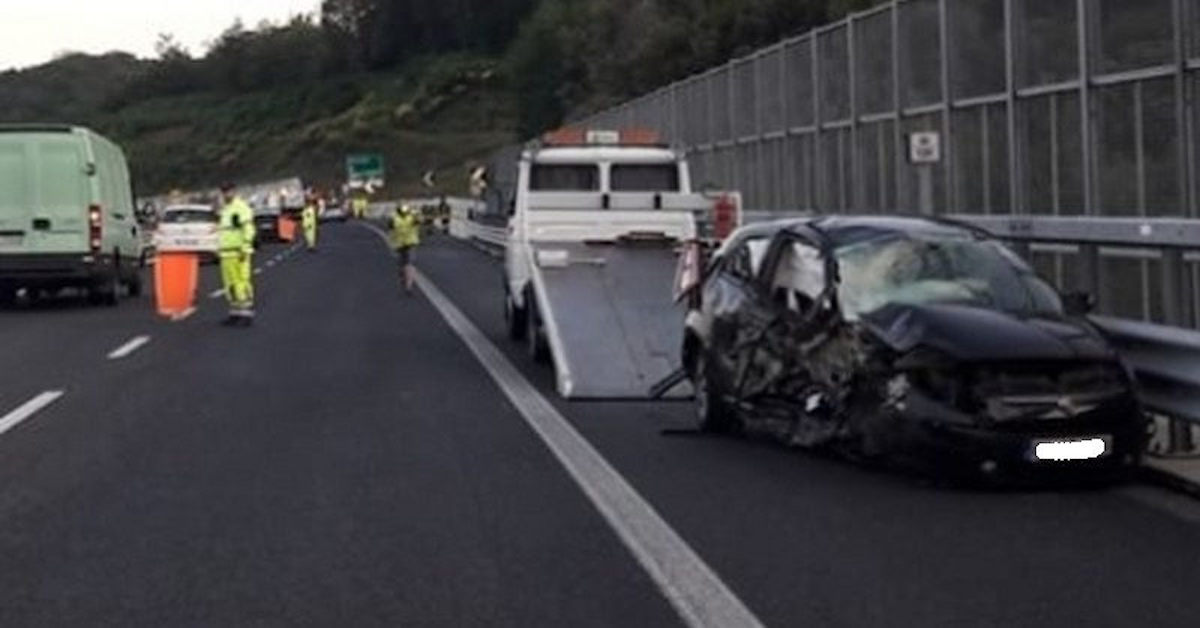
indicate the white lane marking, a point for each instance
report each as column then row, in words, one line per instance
column 183, row 315
column 216, row 294
column 257, row 271
column 271, row 263
column 688, row 583
column 30, row 408
column 128, row 348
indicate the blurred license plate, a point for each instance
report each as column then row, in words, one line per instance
column 10, row 240
column 1073, row 449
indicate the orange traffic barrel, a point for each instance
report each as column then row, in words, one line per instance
column 287, row 229
column 175, row 278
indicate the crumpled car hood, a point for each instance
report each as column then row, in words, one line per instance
column 971, row 333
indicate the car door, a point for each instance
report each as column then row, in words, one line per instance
column 727, row 292
column 792, row 292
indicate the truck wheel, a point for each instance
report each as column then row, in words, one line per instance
column 535, row 331
column 712, row 413
column 514, row 317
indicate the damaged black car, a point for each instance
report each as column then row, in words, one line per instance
column 906, row 339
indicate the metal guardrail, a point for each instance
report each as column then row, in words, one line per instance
column 1167, row 363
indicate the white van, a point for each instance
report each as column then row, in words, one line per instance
column 67, row 215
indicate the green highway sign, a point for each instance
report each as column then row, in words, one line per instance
column 365, row 168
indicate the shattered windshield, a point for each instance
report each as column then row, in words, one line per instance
column 920, row 271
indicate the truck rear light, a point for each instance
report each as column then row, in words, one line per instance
column 95, row 227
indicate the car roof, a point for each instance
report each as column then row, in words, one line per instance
column 842, row 230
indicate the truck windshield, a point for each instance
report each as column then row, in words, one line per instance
column 920, row 271
column 564, row 178
column 645, row 178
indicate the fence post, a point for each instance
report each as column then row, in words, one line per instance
column 897, row 106
column 947, row 108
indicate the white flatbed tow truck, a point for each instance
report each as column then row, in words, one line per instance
column 591, row 259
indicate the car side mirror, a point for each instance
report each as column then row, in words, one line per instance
column 1079, row 303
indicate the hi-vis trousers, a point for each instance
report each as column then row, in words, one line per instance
column 237, row 277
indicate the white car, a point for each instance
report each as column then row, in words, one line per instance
column 187, row 228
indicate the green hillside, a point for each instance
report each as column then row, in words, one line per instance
column 430, row 86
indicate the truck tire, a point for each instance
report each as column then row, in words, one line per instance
column 514, row 316
column 712, row 413
column 535, row 331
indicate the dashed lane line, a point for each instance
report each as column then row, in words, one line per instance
column 216, row 294
column 128, row 348
column 696, row 592
column 184, row 315
column 28, row 409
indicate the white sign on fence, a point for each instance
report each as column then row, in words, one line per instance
column 924, row 147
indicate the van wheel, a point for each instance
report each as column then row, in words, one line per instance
column 535, row 331
column 514, row 316
column 107, row 291
column 135, row 285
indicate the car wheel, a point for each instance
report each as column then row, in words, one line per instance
column 535, row 331
column 712, row 413
column 8, row 296
column 514, row 317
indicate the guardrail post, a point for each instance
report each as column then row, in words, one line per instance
column 1089, row 271
column 1172, row 287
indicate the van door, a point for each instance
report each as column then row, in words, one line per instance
column 16, row 206
column 60, row 184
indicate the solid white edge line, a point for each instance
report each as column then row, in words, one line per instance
column 128, row 348
column 688, row 583
column 30, row 408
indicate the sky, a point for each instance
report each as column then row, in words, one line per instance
column 35, row 31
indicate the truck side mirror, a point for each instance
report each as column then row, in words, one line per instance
column 1079, row 303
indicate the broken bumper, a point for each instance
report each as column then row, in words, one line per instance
column 1011, row 451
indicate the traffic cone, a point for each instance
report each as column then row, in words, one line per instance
column 287, row 229
column 175, row 279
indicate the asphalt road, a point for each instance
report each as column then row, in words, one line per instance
column 349, row 461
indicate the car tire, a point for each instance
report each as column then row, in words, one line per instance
column 535, row 332
column 8, row 296
column 514, row 317
column 712, row 413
